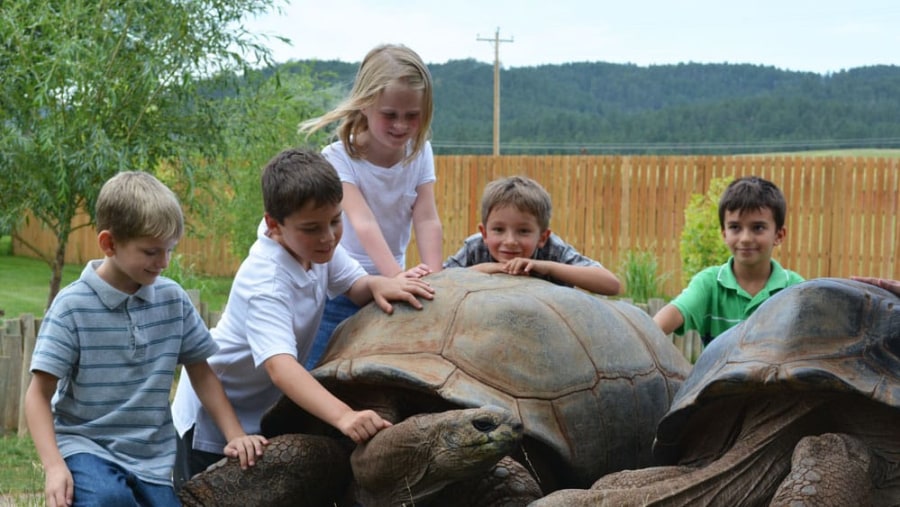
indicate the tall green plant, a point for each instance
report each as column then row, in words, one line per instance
column 639, row 271
column 701, row 239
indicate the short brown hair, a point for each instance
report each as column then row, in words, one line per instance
column 522, row 192
column 295, row 177
column 752, row 193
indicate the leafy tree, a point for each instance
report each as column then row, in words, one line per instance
column 261, row 128
column 94, row 87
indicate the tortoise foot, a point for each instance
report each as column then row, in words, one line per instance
column 827, row 470
column 507, row 484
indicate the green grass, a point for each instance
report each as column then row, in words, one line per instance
column 26, row 284
column 20, row 468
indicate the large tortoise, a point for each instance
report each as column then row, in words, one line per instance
column 798, row 406
column 583, row 382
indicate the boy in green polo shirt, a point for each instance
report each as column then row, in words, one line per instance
column 751, row 215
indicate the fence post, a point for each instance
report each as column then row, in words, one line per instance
column 681, row 342
column 11, row 354
column 654, row 305
column 214, row 318
column 5, row 367
column 697, row 347
column 688, row 349
column 29, row 335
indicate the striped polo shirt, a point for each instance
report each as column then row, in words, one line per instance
column 115, row 356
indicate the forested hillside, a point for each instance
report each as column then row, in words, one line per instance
column 685, row 108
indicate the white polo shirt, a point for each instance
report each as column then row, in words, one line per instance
column 274, row 307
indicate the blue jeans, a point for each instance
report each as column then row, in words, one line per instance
column 336, row 310
column 100, row 483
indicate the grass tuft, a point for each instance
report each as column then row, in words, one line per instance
column 21, row 474
column 639, row 271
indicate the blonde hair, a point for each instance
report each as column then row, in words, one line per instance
column 382, row 66
column 527, row 195
column 134, row 204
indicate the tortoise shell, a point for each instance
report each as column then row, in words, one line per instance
column 823, row 335
column 589, row 377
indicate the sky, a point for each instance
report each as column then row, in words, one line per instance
column 821, row 36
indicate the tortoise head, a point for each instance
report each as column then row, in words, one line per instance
column 408, row 462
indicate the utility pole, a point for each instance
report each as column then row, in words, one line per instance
column 496, row 40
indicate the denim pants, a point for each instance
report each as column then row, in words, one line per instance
column 336, row 310
column 100, row 483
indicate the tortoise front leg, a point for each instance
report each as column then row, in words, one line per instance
column 507, row 484
column 295, row 470
column 828, row 470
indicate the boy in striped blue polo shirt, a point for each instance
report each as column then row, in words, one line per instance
column 751, row 216
column 105, row 358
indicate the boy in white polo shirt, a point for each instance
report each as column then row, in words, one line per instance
column 275, row 306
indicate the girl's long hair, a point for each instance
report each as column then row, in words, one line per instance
column 383, row 65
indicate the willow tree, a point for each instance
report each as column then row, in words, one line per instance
column 263, row 126
column 93, row 87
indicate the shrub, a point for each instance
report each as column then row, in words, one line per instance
column 701, row 239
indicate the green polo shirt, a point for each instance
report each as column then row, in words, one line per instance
column 714, row 302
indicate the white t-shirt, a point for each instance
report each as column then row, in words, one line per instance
column 390, row 193
column 274, row 307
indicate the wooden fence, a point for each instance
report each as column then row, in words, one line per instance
column 17, row 337
column 842, row 211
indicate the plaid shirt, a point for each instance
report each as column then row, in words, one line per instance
column 475, row 251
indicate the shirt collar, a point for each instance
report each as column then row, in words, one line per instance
column 110, row 296
column 271, row 249
column 778, row 278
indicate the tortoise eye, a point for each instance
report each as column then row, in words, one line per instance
column 484, row 425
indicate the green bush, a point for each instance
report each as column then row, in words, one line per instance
column 184, row 274
column 701, row 238
column 638, row 270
